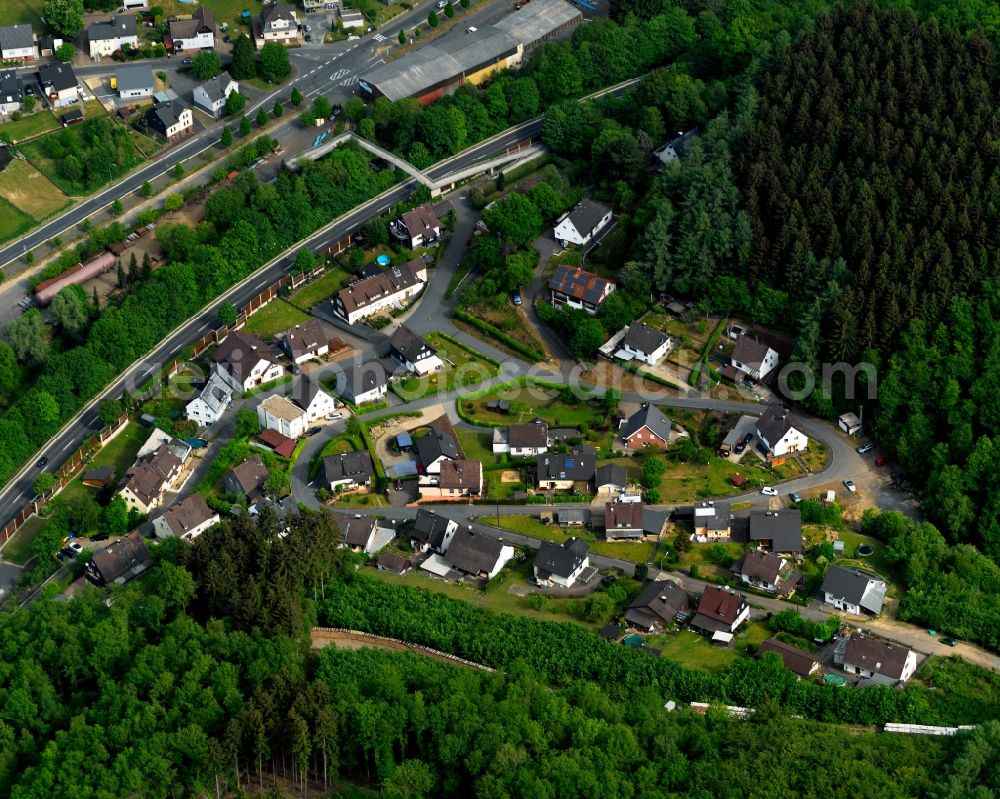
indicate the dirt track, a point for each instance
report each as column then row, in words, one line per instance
column 348, row 639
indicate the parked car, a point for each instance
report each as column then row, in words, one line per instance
column 768, row 491
column 849, row 485
column 42, row 463
column 864, row 449
column 226, row 39
column 948, row 641
column 517, row 298
column 308, row 37
column 313, row 431
column 77, row 548
column 442, row 3
column 187, row 60
column 880, row 460
column 332, row 417
column 100, row 537
column 473, row 29
column 795, row 497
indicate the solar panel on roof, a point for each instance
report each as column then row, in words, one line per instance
column 568, row 463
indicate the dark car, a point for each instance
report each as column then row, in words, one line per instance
column 100, row 537
column 313, row 431
column 517, row 298
column 42, row 463
column 948, row 641
column 308, row 37
column 226, row 39
column 747, row 438
column 187, row 60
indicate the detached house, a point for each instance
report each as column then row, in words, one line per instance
column 196, row 33
column 380, row 292
column 797, row 661
column 612, row 478
column 305, row 341
column 457, row 479
column 478, row 555
column 766, row 571
column 187, row 519
column 11, row 94
column 17, row 43
column 279, row 413
column 713, row 520
column 561, row 564
column 413, row 352
column 623, row 521
column 358, row 532
column 674, row 150
column 349, row 470
column 151, row 475
column 109, row 35
column 432, row 532
column 245, row 362
column 438, row 445
column 247, row 480
column 659, row 603
column 880, row 662
column 207, row 408
column 753, row 358
column 135, row 81
column 575, row 469
column 522, row 440
column 171, row 120
column 417, row 227
column 211, row 96
column 578, row 288
column 778, row 433
column 581, row 225
column 313, row 400
column 278, row 23
column 720, row 612
column 120, row 561
column 777, row 530
column 365, row 383
column 853, row 591
column 644, row 343
column 647, row 427
column 59, row 84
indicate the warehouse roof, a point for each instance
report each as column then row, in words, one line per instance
column 538, row 19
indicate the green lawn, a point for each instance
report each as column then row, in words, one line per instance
column 118, row 453
column 531, row 401
column 18, row 549
column 320, row 289
column 13, row 12
column 12, row 221
column 362, row 501
column 462, row 367
column 274, row 317
column 696, row 651
column 31, row 125
column 477, row 446
column 634, row 552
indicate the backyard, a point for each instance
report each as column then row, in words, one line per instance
column 118, row 453
column 319, row 290
column 634, row 552
column 31, row 125
column 29, row 191
column 462, row 367
column 274, row 317
column 696, row 651
column 527, row 402
column 508, row 319
column 476, row 445
column 18, row 549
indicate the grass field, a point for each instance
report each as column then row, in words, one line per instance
column 320, row 290
column 118, row 453
column 274, row 317
column 476, row 446
column 31, row 125
column 12, row 221
column 531, row 401
column 30, row 191
column 462, row 367
column 696, row 651
column 634, row 552
column 18, row 549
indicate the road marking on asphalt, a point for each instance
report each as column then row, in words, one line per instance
column 340, row 73
column 349, row 81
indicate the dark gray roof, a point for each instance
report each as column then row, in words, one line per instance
column 356, row 466
column 750, row 351
column 10, row 86
column 392, row 562
column 247, row 478
column 796, row 660
column 356, row 529
column 164, row 116
column 643, row 338
column 649, row 416
column 304, row 339
column 587, row 214
column 561, row 559
column 653, row 520
column 569, row 515
column 202, row 21
column 855, row 587
column 579, row 283
column 120, row 561
column 783, row 528
column 16, row 37
column 117, row 27
column 530, row 434
column 758, row 565
column 239, row 353
column 275, row 11
column 435, row 444
column 409, row 346
column 216, row 87
column 663, row 599
column 876, row 655
column 364, row 378
column 134, row 78
column 473, row 553
column 430, row 527
column 712, row 516
column 59, row 76
column 773, row 425
column 304, row 391
column 579, row 464
column 611, row 474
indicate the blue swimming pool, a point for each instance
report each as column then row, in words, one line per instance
column 633, row 640
column 383, row 260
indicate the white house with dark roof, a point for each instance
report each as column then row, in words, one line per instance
column 582, row 224
column 279, row 23
column 778, row 433
column 413, row 352
column 578, row 288
column 561, row 564
column 612, row 478
column 647, row 427
column 878, row 661
column 562, row 472
column 674, row 150
column 623, row 521
column 658, row 605
column 305, row 341
column 187, row 519
column 455, row 479
column 17, row 43
column 777, row 530
column 360, row 532
column 311, row 398
column 432, row 532
column 853, row 591
column 207, row 408
column 753, row 358
column 436, row 447
column 11, row 93
column 244, row 361
column 417, row 227
column 211, row 95
column 478, row 555
column 347, row 471
column 109, row 35
column 712, row 520
column 59, row 84
column 380, row 292
column 766, row 571
column 196, row 33
column 522, row 440
column 365, row 383
column 171, row 120
column 644, row 343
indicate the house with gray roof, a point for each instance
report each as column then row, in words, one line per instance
column 196, row 33
column 211, row 95
column 171, row 120
column 777, row 530
column 438, row 445
column 563, row 472
column 213, row 400
column 348, row 470
column 431, row 531
column 478, row 555
column 877, row 661
column 135, row 81
column 674, row 149
column 644, row 343
column 766, row 571
column 413, row 352
column 561, row 564
column 358, row 531
column 778, row 433
column 711, row 519
column 797, row 661
column 647, row 427
column 657, row 605
column 11, row 95
column 107, row 36
column 853, row 591
column 522, row 440
column 753, row 358
column 612, row 478
column 305, row 341
column 578, row 288
column 247, row 479
column 120, row 561
column 311, row 398
column 583, row 223
column 17, row 43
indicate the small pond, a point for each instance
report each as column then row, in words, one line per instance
column 633, row 640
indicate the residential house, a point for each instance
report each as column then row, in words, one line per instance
column 187, row 519
column 432, row 532
column 135, row 81
column 647, row 427
column 797, row 661
column 171, row 120
column 674, row 150
column 853, row 591
column 766, row 571
column 285, row 511
column 245, row 362
column 417, row 227
column 158, row 438
column 657, row 605
column 358, row 532
column 612, row 478
column 351, row 19
column 413, row 352
column 849, row 423
column 391, row 562
column 48, row 44
column 109, row 35
column 17, row 43
column 458, row 479
column 274, row 441
column 348, row 471
column 581, row 225
column 753, row 358
column 522, row 440
column 196, row 33
column 11, row 94
column 278, row 23
column 211, row 96
column 578, row 288
column 311, row 398
column 380, row 292
column 561, row 564
column 365, row 383
column 720, row 610
column 437, row 446
column 644, row 343
column 279, row 413
column 878, row 661
column 147, row 479
column 575, row 469
column 59, row 84
column 478, row 555
column 119, row 561
column 305, row 341
column 247, row 479
column 712, row 520
column 623, row 521
column 778, row 434
column 207, row 408
column 777, row 530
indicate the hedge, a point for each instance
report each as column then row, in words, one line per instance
column 492, row 331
